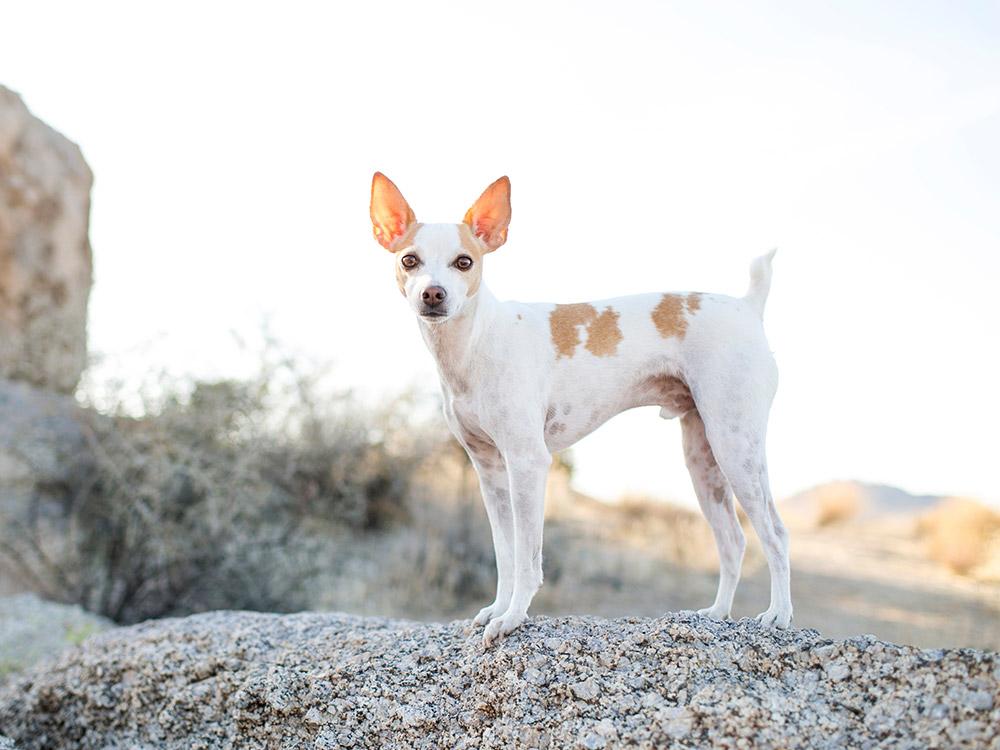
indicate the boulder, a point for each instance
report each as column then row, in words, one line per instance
column 41, row 437
column 45, row 259
column 32, row 629
column 248, row 680
column 44, row 455
column 43, row 447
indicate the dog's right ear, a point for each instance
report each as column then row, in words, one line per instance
column 391, row 214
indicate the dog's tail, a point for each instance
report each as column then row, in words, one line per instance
column 760, row 281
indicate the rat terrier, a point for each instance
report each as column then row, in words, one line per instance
column 521, row 381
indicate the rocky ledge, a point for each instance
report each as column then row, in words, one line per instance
column 238, row 679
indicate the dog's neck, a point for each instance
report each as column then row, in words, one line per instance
column 453, row 342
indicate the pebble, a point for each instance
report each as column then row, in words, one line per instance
column 979, row 700
column 586, row 690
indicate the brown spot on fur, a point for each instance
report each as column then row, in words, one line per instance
column 481, row 448
column 564, row 322
column 404, row 242
column 476, row 444
column 59, row 293
column 669, row 315
column 552, row 427
column 603, row 333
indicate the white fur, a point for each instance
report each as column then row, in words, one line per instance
column 505, row 389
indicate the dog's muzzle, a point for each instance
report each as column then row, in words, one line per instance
column 433, row 297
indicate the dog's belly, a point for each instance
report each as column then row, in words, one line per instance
column 569, row 420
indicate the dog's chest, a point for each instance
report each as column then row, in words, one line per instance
column 466, row 419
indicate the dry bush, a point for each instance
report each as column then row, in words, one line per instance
column 437, row 563
column 961, row 534
column 676, row 534
column 217, row 498
column 837, row 502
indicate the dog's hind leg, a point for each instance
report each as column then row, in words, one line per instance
column 716, row 500
column 735, row 410
column 749, row 479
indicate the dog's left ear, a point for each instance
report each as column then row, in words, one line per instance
column 391, row 214
column 489, row 216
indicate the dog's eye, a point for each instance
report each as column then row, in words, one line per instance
column 463, row 263
column 410, row 261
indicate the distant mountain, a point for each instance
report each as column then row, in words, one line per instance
column 835, row 502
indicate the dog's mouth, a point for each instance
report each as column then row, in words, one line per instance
column 434, row 314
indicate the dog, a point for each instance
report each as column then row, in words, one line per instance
column 521, row 381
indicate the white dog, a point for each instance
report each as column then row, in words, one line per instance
column 521, row 381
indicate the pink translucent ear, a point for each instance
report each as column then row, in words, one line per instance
column 391, row 214
column 489, row 216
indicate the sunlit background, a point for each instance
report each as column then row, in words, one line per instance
column 651, row 146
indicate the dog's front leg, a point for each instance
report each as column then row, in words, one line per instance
column 528, row 472
column 495, row 488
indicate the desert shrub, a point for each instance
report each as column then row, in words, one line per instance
column 960, row 534
column 838, row 502
column 442, row 563
column 217, row 496
column 679, row 535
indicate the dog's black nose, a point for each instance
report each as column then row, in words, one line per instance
column 433, row 296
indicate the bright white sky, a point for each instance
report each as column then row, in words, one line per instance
column 652, row 146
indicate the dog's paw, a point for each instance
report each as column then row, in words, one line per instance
column 716, row 613
column 503, row 625
column 485, row 614
column 776, row 617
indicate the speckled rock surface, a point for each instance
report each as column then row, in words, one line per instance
column 233, row 679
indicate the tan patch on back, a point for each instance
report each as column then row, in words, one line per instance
column 603, row 333
column 669, row 316
column 563, row 322
column 404, row 241
column 474, row 249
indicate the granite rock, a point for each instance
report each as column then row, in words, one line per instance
column 248, row 680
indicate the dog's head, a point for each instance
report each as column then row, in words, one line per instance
column 439, row 266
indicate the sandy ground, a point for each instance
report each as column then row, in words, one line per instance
column 846, row 581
